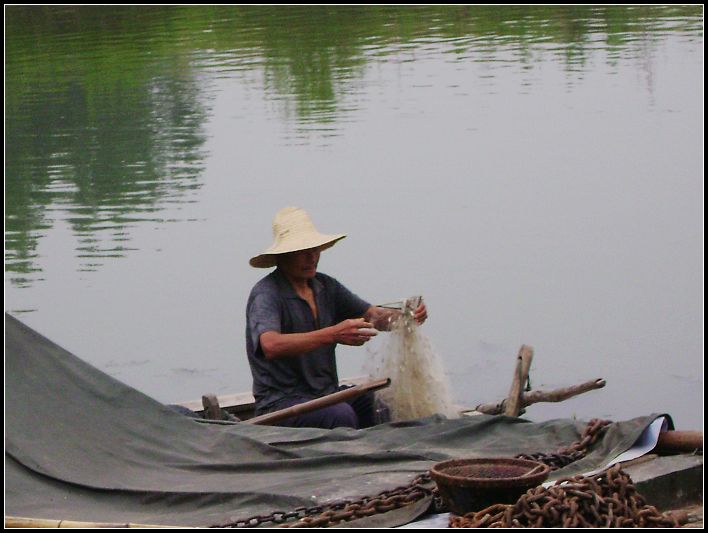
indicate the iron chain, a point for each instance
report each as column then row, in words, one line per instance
column 344, row 511
column 606, row 500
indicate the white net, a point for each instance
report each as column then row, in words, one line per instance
column 419, row 386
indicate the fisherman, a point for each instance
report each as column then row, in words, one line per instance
column 296, row 316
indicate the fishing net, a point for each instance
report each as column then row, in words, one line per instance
column 419, row 386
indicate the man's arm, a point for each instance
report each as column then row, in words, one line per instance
column 352, row 332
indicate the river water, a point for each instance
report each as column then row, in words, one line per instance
column 536, row 173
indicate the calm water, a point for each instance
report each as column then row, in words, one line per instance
column 536, row 173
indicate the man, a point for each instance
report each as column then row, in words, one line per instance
column 295, row 318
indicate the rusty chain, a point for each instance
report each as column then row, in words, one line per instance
column 383, row 503
column 608, row 499
column 344, row 511
column 563, row 457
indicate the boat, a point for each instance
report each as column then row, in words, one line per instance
column 83, row 448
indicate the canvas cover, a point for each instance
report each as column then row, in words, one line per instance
column 80, row 445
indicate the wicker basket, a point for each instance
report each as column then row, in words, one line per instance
column 470, row 485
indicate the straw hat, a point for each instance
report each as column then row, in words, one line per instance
column 293, row 231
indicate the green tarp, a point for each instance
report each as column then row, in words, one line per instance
column 80, row 445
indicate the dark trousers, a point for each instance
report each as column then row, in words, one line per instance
column 357, row 413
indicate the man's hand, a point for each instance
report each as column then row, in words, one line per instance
column 354, row 332
column 420, row 315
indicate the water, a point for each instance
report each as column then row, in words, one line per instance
column 534, row 172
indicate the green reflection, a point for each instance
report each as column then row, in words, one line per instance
column 105, row 111
column 97, row 125
column 312, row 55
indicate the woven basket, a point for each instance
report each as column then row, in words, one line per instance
column 470, row 485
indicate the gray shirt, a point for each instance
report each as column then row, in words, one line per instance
column 273, row 305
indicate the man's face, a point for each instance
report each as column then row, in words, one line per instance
column 300, row 265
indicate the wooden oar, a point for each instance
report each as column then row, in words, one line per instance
column 319, row 403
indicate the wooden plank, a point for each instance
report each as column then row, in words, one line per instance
column 225, row 400
column 25, row 522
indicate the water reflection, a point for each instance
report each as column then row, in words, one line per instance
column 312, row 58
column 100, row 133
column 106, row 106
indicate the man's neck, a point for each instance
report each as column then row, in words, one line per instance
column 299, row 284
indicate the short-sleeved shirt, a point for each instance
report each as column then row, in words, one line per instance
column 274, row 305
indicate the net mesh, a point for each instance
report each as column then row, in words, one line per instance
column 419, row 386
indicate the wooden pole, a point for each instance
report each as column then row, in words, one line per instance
column 23, row 522
column 557, row 395
column 521, row 373
column 212, row 410
column 680, row 441
column 319, row 403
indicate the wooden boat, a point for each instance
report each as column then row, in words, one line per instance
column 670, row 476
column 56, row 380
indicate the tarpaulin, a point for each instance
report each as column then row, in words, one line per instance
column 80, row 445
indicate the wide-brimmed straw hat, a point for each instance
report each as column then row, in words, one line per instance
column 293, row 231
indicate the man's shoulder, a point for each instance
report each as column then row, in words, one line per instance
column 325, row 278
column 267, row 284
column 327, row 281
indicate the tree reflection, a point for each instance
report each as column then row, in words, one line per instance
column 105, row 111
column 97, row 132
